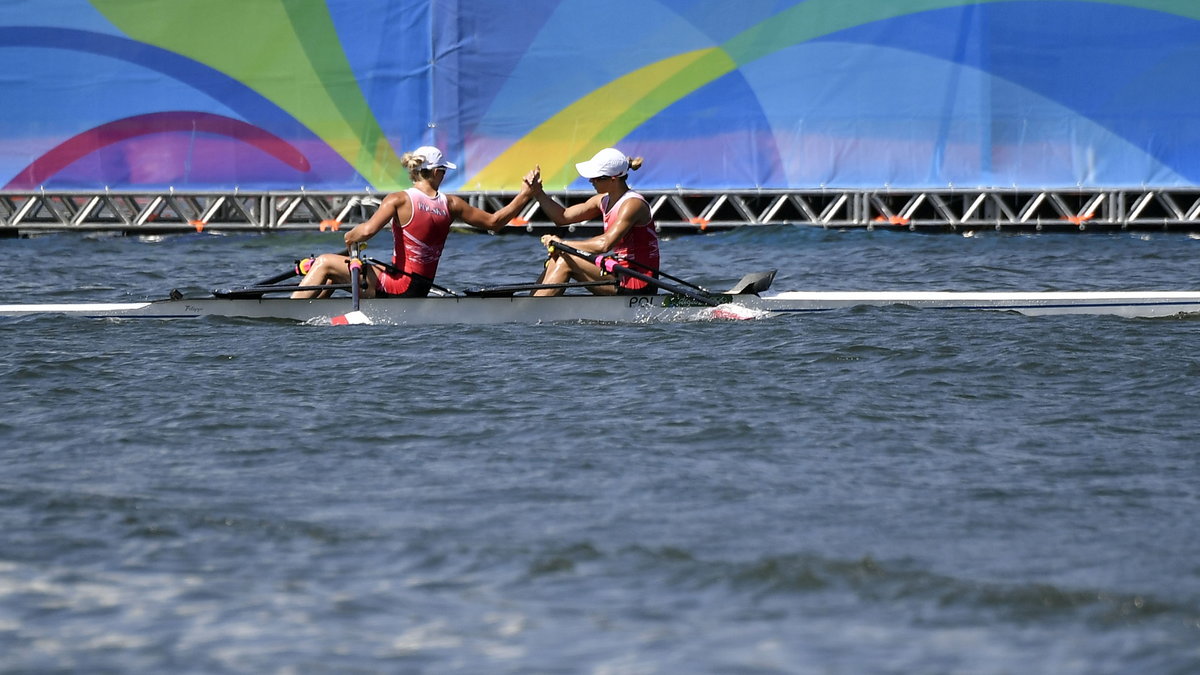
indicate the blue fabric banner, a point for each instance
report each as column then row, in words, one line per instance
column 269, row 94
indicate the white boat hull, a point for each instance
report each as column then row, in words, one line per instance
column 1131, row 304
column 398, row 311
column 630, row 309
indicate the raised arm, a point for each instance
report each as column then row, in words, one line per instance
column 494, row 222
column 565, row 215
column 557, row 213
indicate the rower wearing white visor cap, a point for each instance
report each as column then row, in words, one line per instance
column 629, row 230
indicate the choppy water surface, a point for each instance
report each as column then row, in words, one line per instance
column 868, row 491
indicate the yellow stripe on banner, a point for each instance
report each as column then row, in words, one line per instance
column 600, row 119
column 608, row 114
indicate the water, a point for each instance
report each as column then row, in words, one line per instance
column 880, row 490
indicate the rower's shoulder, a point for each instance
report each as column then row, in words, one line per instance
column 396, row 198
column 631, row 202
column 455, row 203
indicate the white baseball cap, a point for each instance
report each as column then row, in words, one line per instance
column 433, row 158
column 607, row 162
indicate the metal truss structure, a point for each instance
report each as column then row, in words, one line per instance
column 948, row 210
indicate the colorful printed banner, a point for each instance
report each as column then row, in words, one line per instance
column 273, row 94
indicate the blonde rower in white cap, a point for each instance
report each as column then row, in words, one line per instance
column 629, row 228
column 420, row 217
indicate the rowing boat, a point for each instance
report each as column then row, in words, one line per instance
column 682, row 301
column 491, row 309
column 398, row 311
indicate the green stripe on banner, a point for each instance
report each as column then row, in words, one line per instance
column 287, row 51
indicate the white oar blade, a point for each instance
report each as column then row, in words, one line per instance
column 736, row 312
column 351, row 318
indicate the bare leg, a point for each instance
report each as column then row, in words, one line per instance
column 331, row 268
column 563, row 268
column 327, row 268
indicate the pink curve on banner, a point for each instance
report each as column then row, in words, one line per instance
column 83, row 144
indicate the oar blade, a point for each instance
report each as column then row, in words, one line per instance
column 753, row 283
column 351, row 318
column 735, row 312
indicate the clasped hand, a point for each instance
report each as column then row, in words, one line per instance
column 533, row 179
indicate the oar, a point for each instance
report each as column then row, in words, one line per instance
column 613, row 266
column 259, row 291
column 296, row 270
column 354, row 315
column 652, row 270
column 277, row 278
column 396, row 270
column 509, row 290
column 755, row 282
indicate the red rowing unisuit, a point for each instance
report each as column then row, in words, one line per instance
column 640, row 243
column 418, row 244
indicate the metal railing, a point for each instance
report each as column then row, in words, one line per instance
column 1072, row 209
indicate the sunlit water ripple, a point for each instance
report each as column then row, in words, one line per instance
column 877, row 490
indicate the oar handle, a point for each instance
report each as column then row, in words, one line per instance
column 611, row 265
column 356, row 273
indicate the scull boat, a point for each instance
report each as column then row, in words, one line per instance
column 681, row 301
column 486, row 309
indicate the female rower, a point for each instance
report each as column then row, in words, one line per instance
column 628, row 227
column 421, row 217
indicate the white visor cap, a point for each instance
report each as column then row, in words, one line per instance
column 433, row 158
column 607, row 162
